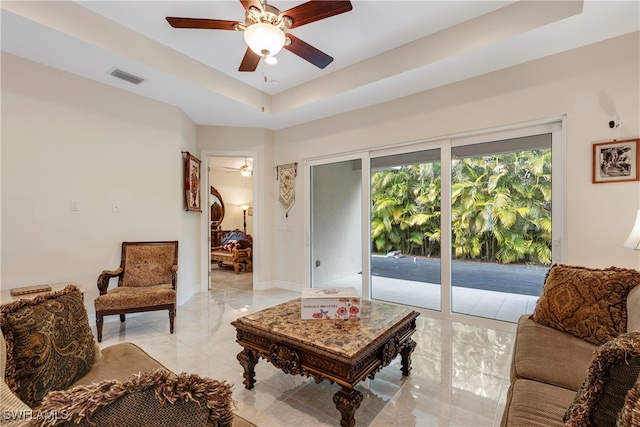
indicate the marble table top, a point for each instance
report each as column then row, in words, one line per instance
column 344, row 337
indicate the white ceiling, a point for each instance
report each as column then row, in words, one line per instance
column 383, row 50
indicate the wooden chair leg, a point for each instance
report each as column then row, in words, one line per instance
column 122, row 318
column 172, row 315
column 99, row 322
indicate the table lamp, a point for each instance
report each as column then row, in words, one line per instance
column 633, row 241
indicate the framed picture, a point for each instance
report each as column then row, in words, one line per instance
column 192, row 183
column 615, row 161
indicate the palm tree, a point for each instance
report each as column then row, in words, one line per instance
column 501, row 208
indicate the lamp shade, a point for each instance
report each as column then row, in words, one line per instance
column 264, row 39
column 633, row 241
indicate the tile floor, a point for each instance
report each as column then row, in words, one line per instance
column 459, row 377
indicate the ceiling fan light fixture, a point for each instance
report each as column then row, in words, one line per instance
column 271, row 60
column 246, row 171
column 264, row 39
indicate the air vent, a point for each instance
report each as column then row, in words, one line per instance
column 126, row 76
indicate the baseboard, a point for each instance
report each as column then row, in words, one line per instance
column 280, row 284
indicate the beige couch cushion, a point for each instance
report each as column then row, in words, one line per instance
column 633, row 310
column 535, row 404
column 545, row 354
column 119, row 361
column 587, row 303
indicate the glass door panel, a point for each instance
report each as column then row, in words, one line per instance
column 336, row 224
column 501, row 226
column 405, row 229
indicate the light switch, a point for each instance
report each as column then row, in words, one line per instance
column 75, row 205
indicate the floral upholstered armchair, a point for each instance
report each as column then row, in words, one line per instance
column 146, row 282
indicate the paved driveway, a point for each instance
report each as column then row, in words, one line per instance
column 515, row 279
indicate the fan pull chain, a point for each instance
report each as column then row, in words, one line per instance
column 264, row 80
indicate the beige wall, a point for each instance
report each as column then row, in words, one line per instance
column 67, row 138
column 587, row 85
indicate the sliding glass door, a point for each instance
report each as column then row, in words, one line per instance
column 405, row 228
column 467, row 225
column 501, row 225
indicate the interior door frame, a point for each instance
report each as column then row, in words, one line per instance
column 205, row 218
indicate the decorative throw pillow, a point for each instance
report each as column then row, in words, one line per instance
column 244, row 244
column 231, row 245
column 49, row 343
column 590, row 304
column 630, row 414
column 156, row 398
column 612, row 373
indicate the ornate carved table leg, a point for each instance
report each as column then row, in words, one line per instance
column 347, row 401
column 406, row 351
column 248, row 358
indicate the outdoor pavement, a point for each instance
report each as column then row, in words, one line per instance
column 487, row 290
column 509, row 278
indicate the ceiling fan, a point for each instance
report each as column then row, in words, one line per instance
column 244, row 170
column 264, row 29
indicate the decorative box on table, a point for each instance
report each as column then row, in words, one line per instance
column 330, row 303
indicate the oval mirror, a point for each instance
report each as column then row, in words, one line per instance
column 217, row 208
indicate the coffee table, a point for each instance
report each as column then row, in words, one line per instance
column 339, row 351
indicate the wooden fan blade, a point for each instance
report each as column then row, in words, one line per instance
column 248, row 3
column 314, row 10
column 307, row 52
column 250, row 61
column 205, row 24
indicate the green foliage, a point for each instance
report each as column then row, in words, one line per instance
column 501, row 208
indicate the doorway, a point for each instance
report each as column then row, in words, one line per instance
column 230, row 219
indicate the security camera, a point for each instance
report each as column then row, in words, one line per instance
column 614, row 124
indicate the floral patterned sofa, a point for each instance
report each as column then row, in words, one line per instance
column 235, row 249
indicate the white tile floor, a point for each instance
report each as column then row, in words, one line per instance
column 459, row 377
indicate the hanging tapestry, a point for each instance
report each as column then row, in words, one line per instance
column 286, row 174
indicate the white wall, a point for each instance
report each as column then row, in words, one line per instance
column 588, row 85
column 67, row 138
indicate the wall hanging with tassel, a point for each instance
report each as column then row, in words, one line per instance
column 286, row 174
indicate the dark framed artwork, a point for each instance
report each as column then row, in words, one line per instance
column 615, row 161
column 192, row 183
